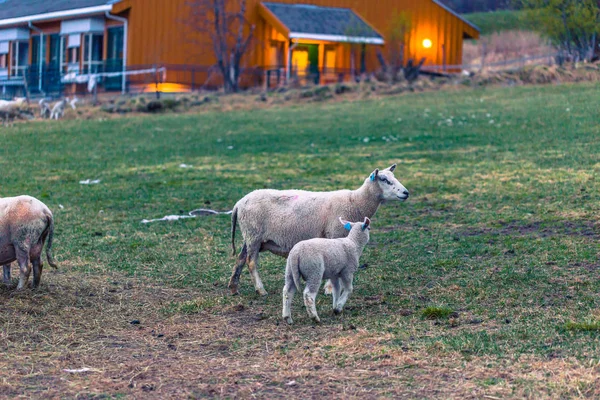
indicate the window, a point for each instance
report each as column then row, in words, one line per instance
column 92, row 52
column 329, row 60
column 300, row 61
column 4, row 59
column 19, row 58
column 114, row 49
column 55, row 41
column 70, row 53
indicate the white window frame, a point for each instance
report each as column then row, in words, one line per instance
column 90, row 66
column 66, row 66
column 16, row 68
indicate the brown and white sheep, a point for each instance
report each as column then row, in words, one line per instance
column 25, row 223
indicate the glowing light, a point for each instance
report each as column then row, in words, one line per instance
column 427, row 43
column 166, row 88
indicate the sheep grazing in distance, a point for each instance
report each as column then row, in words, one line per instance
column 58, row 111
column 318, row 259
column 44, row 109
column 25, row 223
column 275, row 220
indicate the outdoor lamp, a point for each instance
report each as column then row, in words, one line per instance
column 427, row 43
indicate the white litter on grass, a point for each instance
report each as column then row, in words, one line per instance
column 79, row 371
column 229, row 147
column 366, row 140
column 191, row 214
column 61, row 206
column 185, row 166
column 291, row 383
column 90, row 182
column 167, row 218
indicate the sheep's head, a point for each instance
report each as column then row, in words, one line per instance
column 363, row 227
column 391, row 188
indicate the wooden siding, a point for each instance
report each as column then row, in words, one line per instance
column 157, row 31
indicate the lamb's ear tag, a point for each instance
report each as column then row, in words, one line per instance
column 372, row 177
column 348, row 226
column 364, row 226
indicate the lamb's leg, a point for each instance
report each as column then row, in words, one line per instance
column 288, row 296
column 310, row 299
column 335, row 284
column 346, row 292
column 6, row 268
column 25, row 270
column 253, row 267
column 237, row 270
column 328, row 289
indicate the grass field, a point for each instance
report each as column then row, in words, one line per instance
column 485, row 284
column 498, row 21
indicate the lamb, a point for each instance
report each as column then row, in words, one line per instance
column 25, row 223
column 316, row 259
column 58, row 111
column 275, row 220
column 44, row 109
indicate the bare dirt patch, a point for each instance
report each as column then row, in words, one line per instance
column 581, row 228
column 117, row 329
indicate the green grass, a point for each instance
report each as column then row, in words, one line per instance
column 582, row 326
column 497, row 21
column 436, row 312
column 501, row 225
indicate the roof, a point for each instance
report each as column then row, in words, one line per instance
column 457, row 15
column 10, row 9
column 323, row 23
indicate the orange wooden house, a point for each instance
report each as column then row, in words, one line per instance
column 56, row 42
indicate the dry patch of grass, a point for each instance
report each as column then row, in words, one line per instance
column 118, row 329
column 505, row 46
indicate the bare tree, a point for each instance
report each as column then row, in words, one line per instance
column 230, row 33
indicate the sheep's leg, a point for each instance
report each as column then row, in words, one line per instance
column 335, row 283
column 237, row 270
column 328, row 288
column 288, row 296
column 25, row 270
column 6, row 268
column 35, row 254
column 346, row 292
column 253, row 267
column 37, row 271
column 310, row 296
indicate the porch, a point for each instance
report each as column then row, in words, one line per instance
column 50, row 58
column 315, row 44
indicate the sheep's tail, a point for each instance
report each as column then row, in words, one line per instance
column 49, row 255
column 233, row 227
column 295, row 267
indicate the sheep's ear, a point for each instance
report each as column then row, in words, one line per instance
column 366, row 224
column 374, row 175
column 347, row 225
column 392, row 168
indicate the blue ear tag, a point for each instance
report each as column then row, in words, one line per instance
column 372, row 177
column 364, row 227
column 348, row 226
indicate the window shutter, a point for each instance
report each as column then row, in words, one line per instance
column 74, row 40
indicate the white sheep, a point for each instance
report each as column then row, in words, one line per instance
column 44, row 108
column 318, row 259
column 58, row 111
column 25, row 223
column 275, row 220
